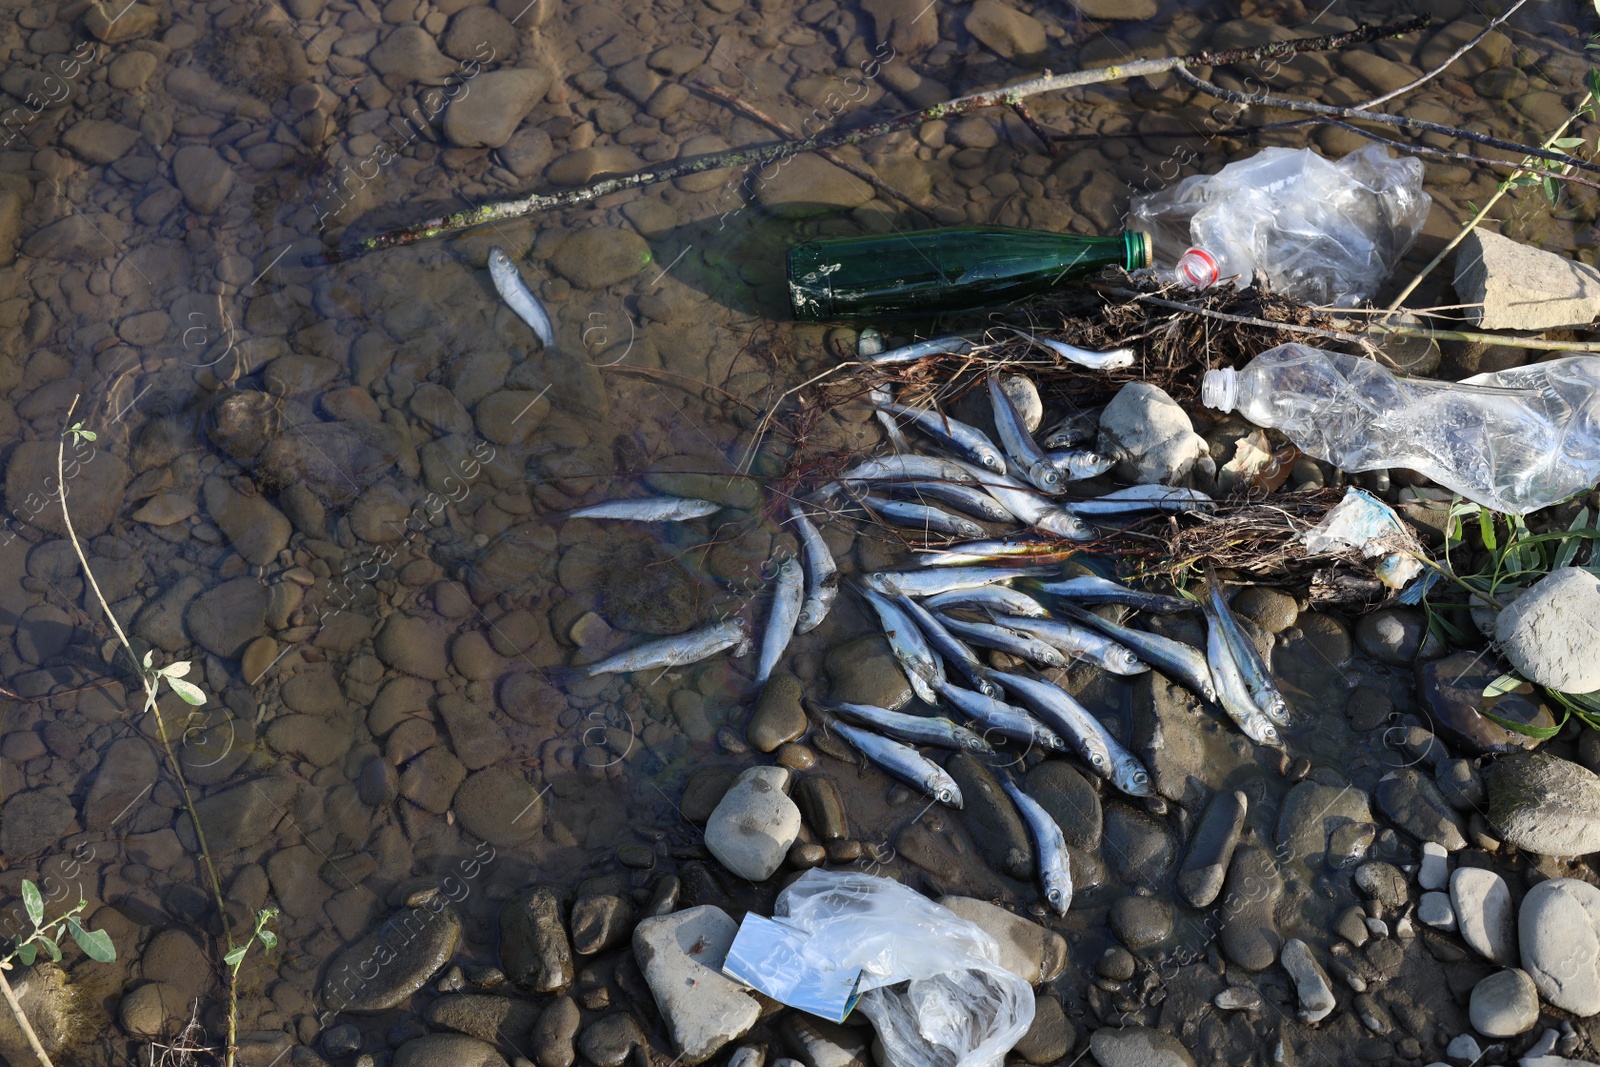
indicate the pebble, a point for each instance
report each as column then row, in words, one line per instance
column 1464, row 1049
column 1549, row 632
column 1391, row 635
column 1482, row 903
column 1416, row 806
column 1452, row 693
column 1006, row 31
column 447, row 1050
column 131, row 70
column 991, row 817
column 410, row 54
column 481, row 1016
column 1434, row 873
column 1310, row 810
column 1071, row 801
column 115, row 24
column 100, row 141
column 1238, row 998
column 1138, row 1046
column 822, row 807
column 1139, row 847
column 754, row 824
column 203, row 176
column 809, row 185
column 1311, row 983
column 600, row 922
column 864, row 671
column 257, row 530
column 1140, row 922
column 1205, row 865
column 414, row 944
column 1460, row 784
column 1382, row 882
column 1249, row 938
column 1434, row 909
column 490, row 113
column 1504, row 1004
column 588, row 164
column 600, row 257
column 1271, row 609
column 534, row 950
column 778, row 717
column 608, row 1041
column 681, row 955
column 1352, row 926
column 553, row 1034
column 74, row 239
column 1558, row 928
column 1544, row 804
column 1052, row 1034
column 1033, row 952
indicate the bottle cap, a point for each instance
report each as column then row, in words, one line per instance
column 1220, row 389
column 1197, row 269
column 1138, row 248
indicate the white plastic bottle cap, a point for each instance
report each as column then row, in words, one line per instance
column 1220, row 389
column 1197, row 269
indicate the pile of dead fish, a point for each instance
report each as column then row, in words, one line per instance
column 962, row 596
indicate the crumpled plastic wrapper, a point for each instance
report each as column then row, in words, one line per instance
column 1361, row 521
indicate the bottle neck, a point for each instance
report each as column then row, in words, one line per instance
column 1220, row 389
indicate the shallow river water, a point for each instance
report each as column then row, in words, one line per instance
column 340, row 493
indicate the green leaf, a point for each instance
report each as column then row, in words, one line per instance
column 33, row 901
column 1486, row 529
column 96, row 944
column 1502, row 685
column 1540, row 733
column 269, row 939
column 28, row 953
column 188, row 691
column 1552, row 189
column 232, row 959
column 51, row 947
column 1565, row 143
column 1592, row 82
column 176, row 670
column 147, row 657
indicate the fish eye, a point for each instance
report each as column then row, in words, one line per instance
column 1098, row 760
column 1140, row 778
column 943, row 796
column 1054, row 896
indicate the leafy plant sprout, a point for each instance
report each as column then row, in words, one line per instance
column 96, row 944
column 268, row 939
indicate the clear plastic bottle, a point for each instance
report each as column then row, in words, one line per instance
column 1514, row 441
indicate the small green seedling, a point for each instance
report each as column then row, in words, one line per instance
column 268, row 939
column 96, row 944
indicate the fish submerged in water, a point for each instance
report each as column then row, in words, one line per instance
column 676, row 651
column 649, row 509
column 904, row 762
column 787, row 600
column 515, row 292
column 1049, row 843
column 822, row 573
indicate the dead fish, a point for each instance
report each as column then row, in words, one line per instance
column 966, row 441
column 993, row 599
column 1031, row 507
column 1007, row 720
column 822, row 573
column 920, row 350
column 1144, row 498
column 1026, row 456
column 1003, row 639
column 515, row 292
column 787, row 597
column 912, row 729
column 1076, row 464
column 878, row 396
column 903, row 762
column 933, row 582
column 676, row 651
column 1074, row 430
column 1049, row 846
column 923, row 517
column 1116, row 359
column 1078, row 641
column 966, row 498
column 978, row 552
column 1092, row 589
column 649, row 509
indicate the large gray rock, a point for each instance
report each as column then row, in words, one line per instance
column 1545, row 804
column 754, row 825
column 1504, row 1004
column 1481, row 901
column 681, row 955
column 1559, row 930
column 1211, row 848
column 1027, row 949
column 1311, row 983
column 489, row 114
column 1149, row 435
column 1550, row 632
column 534, row 949
column 1516, row 287
column 384, row 968
column 1137, row 1046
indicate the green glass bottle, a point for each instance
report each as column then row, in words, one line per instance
column 933, row 271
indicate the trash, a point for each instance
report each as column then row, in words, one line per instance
column 1362, row 521
column 929, row 980
column 1513, row 441
column 1318, row 231
column 938, row 271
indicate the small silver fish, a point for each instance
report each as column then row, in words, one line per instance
column 1076, row 464
column 822, row 573
column 1063, row 715
column 1144, row 498
column 1026, row 504
column 1257, row 678
column 1004, row 719
column 1123, row 768
column 1011, row 642
column 908, row 468
column 649, row 509
column 904, row 762
column 787, row 597
column 1026, row 456
column 1231, row 691
column 515, row 292
column 1078, row 641
column 997, row 599
column 1049, row 846
column 878, row 396
column 675, row 651
column 923, row 517
column 912, row 729
column 1116, row 359
column 907, row 644
column 967, row 441
column 977, row 553
column 911, row 353
column 1092, row 589
column 943, row 580
column 1170, row 657
column 1076, row 429
column 947, row 645
column 967, row 498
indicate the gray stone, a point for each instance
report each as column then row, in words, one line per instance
column 1452, row 692
column 534, row 950
column 1549, row 632
column 33, row 820
column 1463, row 1049
column 100, row 141
column 1249, row 938
column 864, row 671
column 1514, row 286
column 822, row 807
column 1167, row 737
column 1139, row 847
column 991, row 817
column 226, row 618
column 1211, row 847
column 1051, row 1036
column 1140, row 922
column 499, row 806
column 1434, row 909
column 1311, row 983
column 600, row 257
column 1382, row 882
column 149, row 1010
column 126, row 773
column 1027, row 949
column 245, row 815
column 608, row 1041
column 1460, row 784
column 1415, row 805
column 754, row 824
column 499, row 101
column 1391, row 635
column 1504, row 1004
column 95, row 492
column 681, row 955
column 257, row 530
column 1311, row 812
column 1544, row 804
column 203, row 176
column 600, row 922
column 1137, row 1046
column 1117, row 10
column 1006, row 31
column 1149, row 435
column 74, row 239
column 447, row 1050
column 778, row 716
column 1238, row 998
column 1434, row 873
column 475, row 738
column 1070, row 800
column 810, row 185
column 409, row 948
column 497, row 1020
column 409, row 53
column 553, row 1034
column 1482, row 903
column 1558, row 929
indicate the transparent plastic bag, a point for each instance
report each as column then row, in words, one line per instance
column 1513, row 441
column 1315, row 230
column 934, row 987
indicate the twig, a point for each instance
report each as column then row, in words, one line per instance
column 834, row 138
column 1033, row 124
column 778, row 125
column 22, row 1021
column 1456, row 157
column 1404, row 122
column 1472, row 223
column 1442, row 67
column 1247, row 320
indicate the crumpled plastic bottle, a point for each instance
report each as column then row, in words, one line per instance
column 1514, row 441
column 1315, row 230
